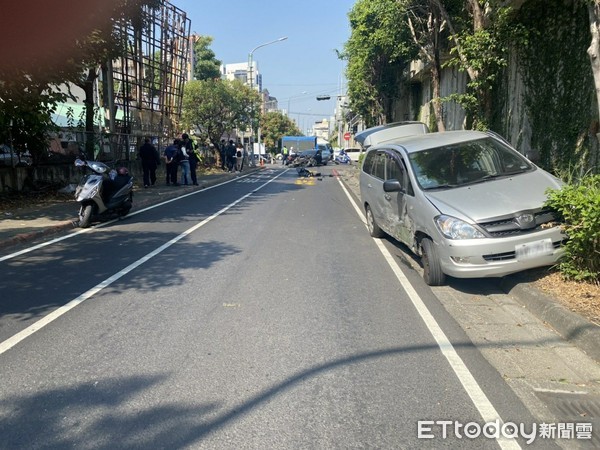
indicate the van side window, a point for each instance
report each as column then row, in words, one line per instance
column 398, row 172
column 393, row 171
column 368, row 163
column 379, row 166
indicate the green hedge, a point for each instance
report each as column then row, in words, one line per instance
column 579, row 206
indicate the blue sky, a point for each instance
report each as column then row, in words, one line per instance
column 305, row 62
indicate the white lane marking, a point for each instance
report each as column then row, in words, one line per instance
column 103, row 224
column 23, row 334
column 466, row 378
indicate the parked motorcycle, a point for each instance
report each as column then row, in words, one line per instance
column 343, row 158
column 103, row 194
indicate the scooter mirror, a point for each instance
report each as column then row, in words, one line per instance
column 79, row 163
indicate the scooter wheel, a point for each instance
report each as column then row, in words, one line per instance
column 126, row 209
column 85, row 216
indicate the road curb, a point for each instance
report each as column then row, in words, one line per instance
column 571, row 326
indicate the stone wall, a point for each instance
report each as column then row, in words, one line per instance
column 32, row 178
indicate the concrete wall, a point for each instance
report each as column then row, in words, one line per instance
column 56, row 175
column 416, row 103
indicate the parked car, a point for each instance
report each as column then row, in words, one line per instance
column 12, row 158
column 464, row 201
column 353, row 153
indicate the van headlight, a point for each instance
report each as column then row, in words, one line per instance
column 454, row 228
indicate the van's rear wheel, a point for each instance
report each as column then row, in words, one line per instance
column 374, row 229
column 432, row 269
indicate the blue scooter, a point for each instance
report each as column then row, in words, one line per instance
column 343, row 158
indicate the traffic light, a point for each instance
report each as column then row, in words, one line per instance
column 323, row 97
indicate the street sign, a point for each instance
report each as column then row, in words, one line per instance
column 347, row 136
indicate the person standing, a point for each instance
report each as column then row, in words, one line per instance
column 184, row 162
column 239, row 157
column 230, row 156
column 193, row 159
column 172, row 161
column 150, row 161
column 284, row 155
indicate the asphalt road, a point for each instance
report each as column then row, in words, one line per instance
column 254, row 314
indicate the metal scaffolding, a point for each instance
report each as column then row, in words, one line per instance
column 144, row 89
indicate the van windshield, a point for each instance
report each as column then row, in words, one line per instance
column 466, row 163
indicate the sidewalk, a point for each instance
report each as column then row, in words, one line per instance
column 27, row 224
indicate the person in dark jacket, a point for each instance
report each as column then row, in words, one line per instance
column 172, row 161
column 230, row 156
column 150, row 161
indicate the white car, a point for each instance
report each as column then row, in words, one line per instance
column 353, row 153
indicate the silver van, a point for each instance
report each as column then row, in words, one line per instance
column 466, row 202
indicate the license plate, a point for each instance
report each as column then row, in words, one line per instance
column 534, row 249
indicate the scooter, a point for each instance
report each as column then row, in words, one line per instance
column 343, row 158
column 101, row 195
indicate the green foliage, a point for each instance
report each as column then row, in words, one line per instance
column 577, row 205
column 26, row 106
column 378, row 51
column 484, row 53
column 215, row 107
column 273, row 126
column 556, row 72
column 361, row 158
column 207, row 66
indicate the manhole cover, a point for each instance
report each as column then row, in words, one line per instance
column 573, row 411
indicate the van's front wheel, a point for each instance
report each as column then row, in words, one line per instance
column 432, row 269
column 374, row 229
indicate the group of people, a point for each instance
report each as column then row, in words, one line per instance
column 181, row 153
column 232, row 156
column 184, row 153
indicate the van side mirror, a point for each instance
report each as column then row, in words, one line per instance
column 392, row 186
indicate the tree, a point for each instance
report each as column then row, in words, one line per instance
column 273, row 126
column 206, row 66
column 107, row 41
column 377, row 52
column 481, row 50
column 28, row 93
column 27, row 102
column 215, row 107
column 594, row 48
column 426, row 28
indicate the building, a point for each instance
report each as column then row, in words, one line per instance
column 251, row 76
column 321, row 129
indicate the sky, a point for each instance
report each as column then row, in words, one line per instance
column 295, row 70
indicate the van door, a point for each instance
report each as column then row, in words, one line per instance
column 374, row 169
column 399, row 222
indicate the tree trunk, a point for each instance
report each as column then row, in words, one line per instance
column 472, row 73
column 88, row 88
column 437, row 103
column 430, row 31
column 594, row 48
